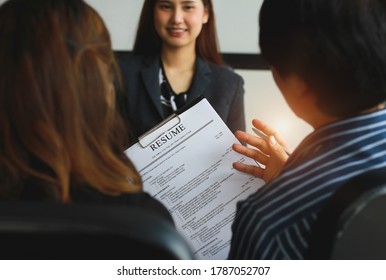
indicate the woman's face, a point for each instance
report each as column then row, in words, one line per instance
column 179, row 22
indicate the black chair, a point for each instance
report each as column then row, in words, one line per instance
column 46, row 231
column 352, row 225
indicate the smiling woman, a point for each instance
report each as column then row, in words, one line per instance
column 176, row 59
column 179, row 23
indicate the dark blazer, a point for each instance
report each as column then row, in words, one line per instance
column 141, row 94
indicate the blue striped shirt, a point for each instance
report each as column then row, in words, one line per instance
column 276, row 222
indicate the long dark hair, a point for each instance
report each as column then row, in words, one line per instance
column 55, row 121
column 148, row 42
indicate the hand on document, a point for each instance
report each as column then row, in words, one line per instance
column 270, row 151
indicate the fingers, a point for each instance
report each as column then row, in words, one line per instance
column 277, row 150
column 252, row 140
column 249, row 169
column 251, row 153
column 263, row 127
column 269, row 131
column 269, row 152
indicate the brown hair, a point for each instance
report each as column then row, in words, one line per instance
column 148, row 42
column 55, row 122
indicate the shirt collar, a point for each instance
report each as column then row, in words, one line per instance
column 338, row 132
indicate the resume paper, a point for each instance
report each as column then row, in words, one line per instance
column 186, row 163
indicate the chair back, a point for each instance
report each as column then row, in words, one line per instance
column 86, row 231
column 352, row 225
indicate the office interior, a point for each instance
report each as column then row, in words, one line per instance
column 237, row 28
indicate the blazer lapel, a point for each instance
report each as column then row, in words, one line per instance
column 150, row 78
column 201, row 79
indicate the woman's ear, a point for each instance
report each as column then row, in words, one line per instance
column 206, row 16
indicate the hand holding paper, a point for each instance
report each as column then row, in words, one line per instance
column 270, row 151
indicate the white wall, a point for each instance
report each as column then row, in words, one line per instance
column 237, row 24
column 121, row 18
column 264, row 101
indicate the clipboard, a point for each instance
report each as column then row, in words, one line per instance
column 166, row 125
column 185, row 162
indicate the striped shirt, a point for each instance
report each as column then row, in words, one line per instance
column 276, row 222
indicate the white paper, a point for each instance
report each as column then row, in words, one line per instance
column 187, row 165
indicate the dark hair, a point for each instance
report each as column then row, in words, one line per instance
column 55, row 121
column 148, row 42
column 337, row 46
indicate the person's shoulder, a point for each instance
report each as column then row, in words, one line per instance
column 87, row 194
column 146, row 201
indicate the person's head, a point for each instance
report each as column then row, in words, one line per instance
column 176, row 23
column 57, row 120
column 337, row 47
